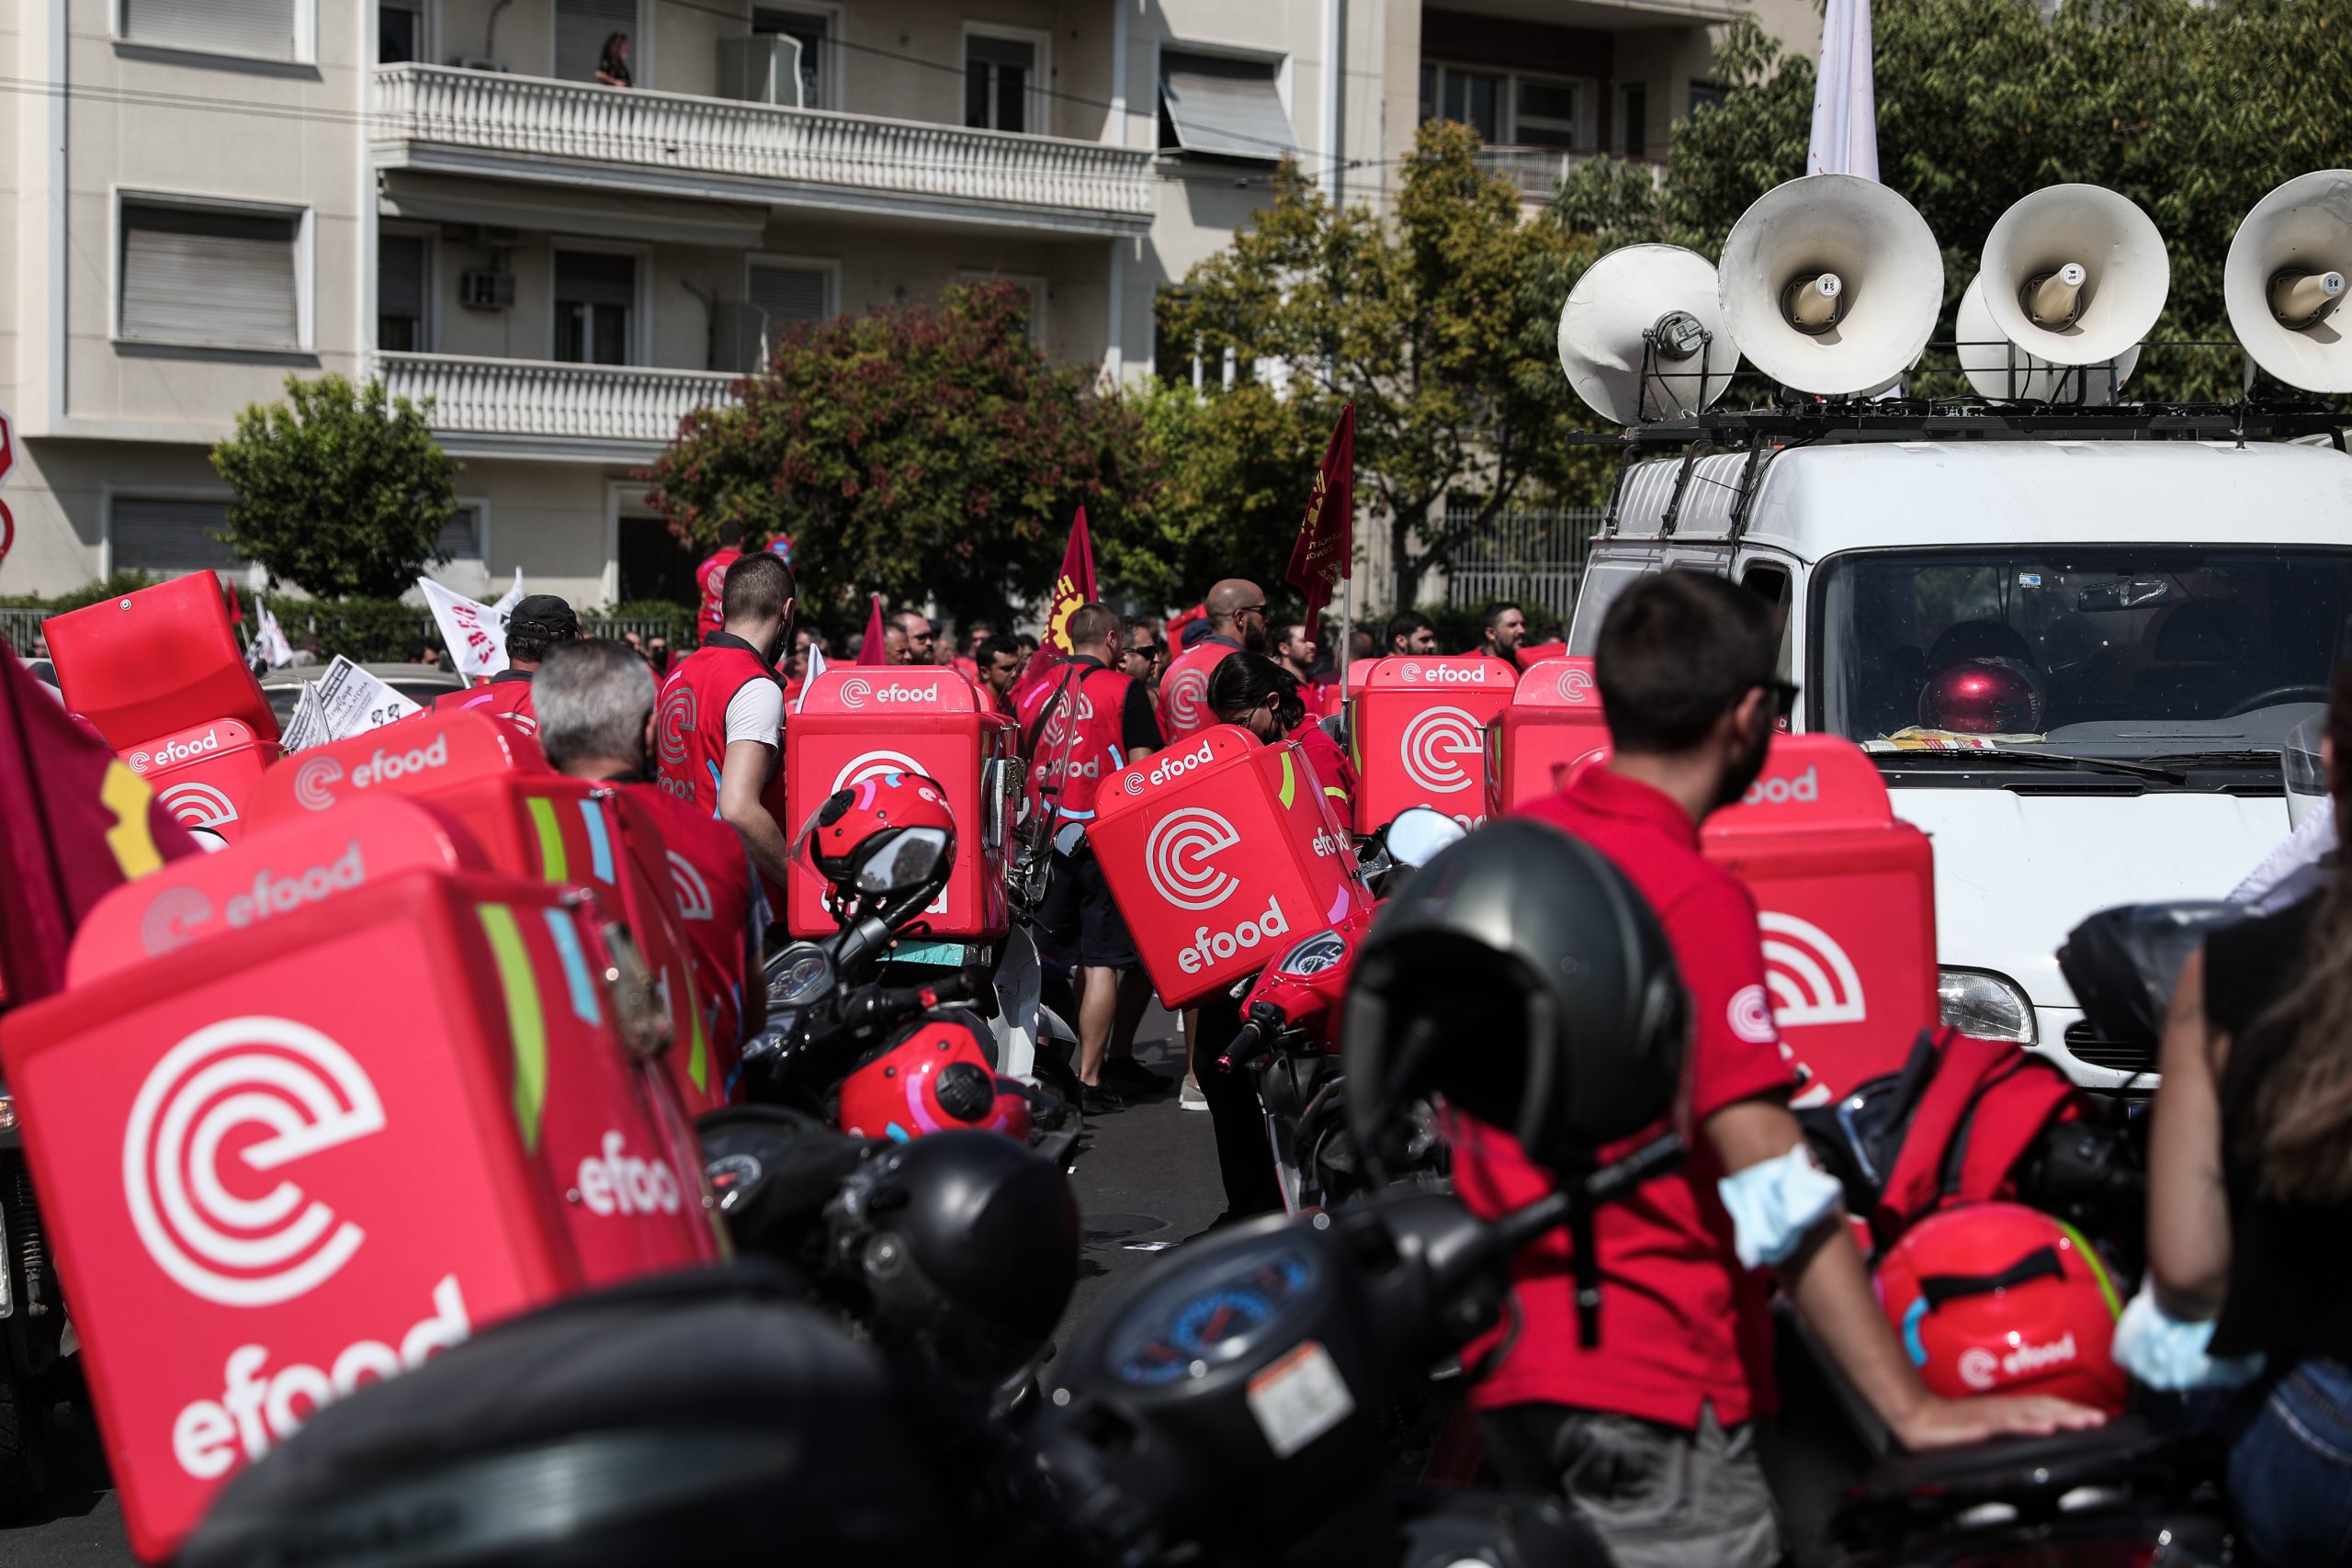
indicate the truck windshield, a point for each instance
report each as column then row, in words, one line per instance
column 2103, row 651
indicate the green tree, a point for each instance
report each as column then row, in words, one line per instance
column 2194, row 111
column 917, row 453
column 1439, row 322
column 340, row 490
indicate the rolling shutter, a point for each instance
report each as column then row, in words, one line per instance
column 580, row 28
column 150, row 533
column 791, row 293
column 1230, row 108
column 460, row 537
column 195, row 276
column 264, row 28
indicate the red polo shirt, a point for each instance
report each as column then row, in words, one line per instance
column 1681, row 1323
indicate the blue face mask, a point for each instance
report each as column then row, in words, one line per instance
column 2165, row 1353
column 1775, row 1204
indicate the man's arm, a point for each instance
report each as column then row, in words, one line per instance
column 742, row 775
column 1138, row 725
column 2189, row 1200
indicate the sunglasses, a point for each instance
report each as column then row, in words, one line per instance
column 1784, row 694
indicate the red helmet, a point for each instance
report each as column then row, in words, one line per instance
column 888, row 832
column 932, row 1076
column 1998, row 1298
column 1983, row 696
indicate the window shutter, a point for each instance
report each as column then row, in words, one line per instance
column 789, row 293
column 400, row 276
column 592, row 277
column 1229, row 107
column 580, row 28
column 264, row 28
column 149, row 534
column 205, row 276
column 460, row 537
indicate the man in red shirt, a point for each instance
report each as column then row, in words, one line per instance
column 710, row 577
column 1236, row 617
column 720, row 733
column 536, row 624
column 595, row 703
column 1649, row 1431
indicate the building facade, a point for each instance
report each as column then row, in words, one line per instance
column 199, row 198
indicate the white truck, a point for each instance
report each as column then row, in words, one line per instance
column 2173, row 605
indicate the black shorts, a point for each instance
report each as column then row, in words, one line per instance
column 1079, row 918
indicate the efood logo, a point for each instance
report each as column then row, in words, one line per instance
column 870, row 765
column 194, row 805
column 1187, row 694
column 1434, row 748
column 1812, row 979
column 188, row 1143
column 854, row 691
column 1176, row 856
column 677, row 725
column 170, row 920
column 1576, row 686
column 138, row 761
column 1056, row 721
column 694, row 901
column 313, row 776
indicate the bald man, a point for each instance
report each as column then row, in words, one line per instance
column 1236, row 618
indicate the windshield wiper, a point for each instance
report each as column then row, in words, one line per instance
column 2055, row 760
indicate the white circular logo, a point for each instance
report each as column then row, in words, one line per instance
column 1187, row 692
column 678, row 719
column 138, row 761
column 1412, row 673
column 306, row 1094
column 872, row 764
column 1979, row 1368
column 1176, row 855
column 172, row 918
column 1575, row 685
column 311, row 777
column 1436, row 744
column 1054, row 732
column 1133, row 784
column 854, row 691
column 1750, row 1016
column 694, row 894
column 199, row 804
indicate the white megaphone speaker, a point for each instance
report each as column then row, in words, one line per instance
column 2284, row 282
column 2003, row 372
column 1831, row 284
column 2075, row 275
column 1641, row 338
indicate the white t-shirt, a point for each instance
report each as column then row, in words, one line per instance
column 756, row 712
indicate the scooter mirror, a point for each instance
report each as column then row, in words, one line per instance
column 907, row 862
column 1419, row 832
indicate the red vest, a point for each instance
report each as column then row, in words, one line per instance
column 690, row 726
column 712, row 878
column 1081, row 741
column 1184, row 690
column 507, row 701
column 710, row 577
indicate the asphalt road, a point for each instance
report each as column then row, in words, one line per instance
column 1147, row 1178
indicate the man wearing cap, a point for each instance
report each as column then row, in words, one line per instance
column 1237, row 619
column 721, row 721
column 535, row 624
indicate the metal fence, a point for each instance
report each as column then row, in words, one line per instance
column 21, row 628
column 1532, row 555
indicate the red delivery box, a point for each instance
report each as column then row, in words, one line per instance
column 269, row 1187
column 203, row 774
column 1845, row 894
column 156, row 660
column 1419, row 730
column 1221, row 853
column 420, row 757
column 919, row 719
column 1553, row 723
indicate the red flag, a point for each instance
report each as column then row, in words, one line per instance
column 1327, row 536
column 1073, row 586
column 874, row 649
column 74, row 824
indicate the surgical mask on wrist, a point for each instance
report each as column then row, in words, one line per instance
column 1775, row 1204
column 2165, row 1353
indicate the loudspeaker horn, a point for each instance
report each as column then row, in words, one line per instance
column 1641, row 338
column 2003, row 372
column 2075, row 274
column 1831, row 284
column 2284, row 283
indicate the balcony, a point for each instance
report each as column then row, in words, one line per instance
column 528, row 408
column 1537, row 171
column 609, row 138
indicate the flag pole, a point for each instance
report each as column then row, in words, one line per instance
column 1346, row 627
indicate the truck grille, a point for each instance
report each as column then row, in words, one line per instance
column 2114, row 1055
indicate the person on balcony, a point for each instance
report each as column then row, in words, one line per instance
column 612, row 66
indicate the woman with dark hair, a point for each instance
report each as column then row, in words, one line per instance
column 1252, row 691
column 2250, row 1203
column 611, row 65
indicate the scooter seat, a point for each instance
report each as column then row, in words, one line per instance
column 2027, row 1474
column 702, row 1418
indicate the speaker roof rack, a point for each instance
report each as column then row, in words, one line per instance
column 1815, row 421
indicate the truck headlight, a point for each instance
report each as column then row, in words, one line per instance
column 1990, row 1007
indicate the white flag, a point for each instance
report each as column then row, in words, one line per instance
column 269, row 649
column 816, row 668
column 351, row 702
column 475, row 632
column 508, row 600
column 1845, row 100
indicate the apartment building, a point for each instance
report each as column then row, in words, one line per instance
column 200, row 197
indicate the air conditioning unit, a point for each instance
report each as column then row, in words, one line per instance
column 480, row 289
column 762, row 69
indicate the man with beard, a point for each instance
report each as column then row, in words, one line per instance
column 1650, row 1433
column 1237, row 619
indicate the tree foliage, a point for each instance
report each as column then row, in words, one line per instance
column 2194, row 111
column 920, row 453
column 1437, row 321
column 339, row 489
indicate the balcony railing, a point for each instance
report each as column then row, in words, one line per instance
column 528, row 405
column 759, row 150
column 1537, row 171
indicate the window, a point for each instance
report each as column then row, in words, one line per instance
column 1000, row 75
column 1473, row 97
column 596, row 308
column 460, row 537
column 1224, row 108
column 1547, row 114
column 580, row 28
column 204, row 275
column 263, row 29
column 786, row 293
column 1603, row 580
column 813, row 31
column 400, row 31
column 1634, row 119
column 1705, row 95
column 158, row 534
column 400, row 289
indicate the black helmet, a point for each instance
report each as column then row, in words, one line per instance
column 968, row 1243
column 1521, row 976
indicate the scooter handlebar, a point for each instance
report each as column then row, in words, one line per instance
column 1247, row 1047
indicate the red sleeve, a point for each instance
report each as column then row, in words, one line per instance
column 1332, row 773
column 1735, row 1051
